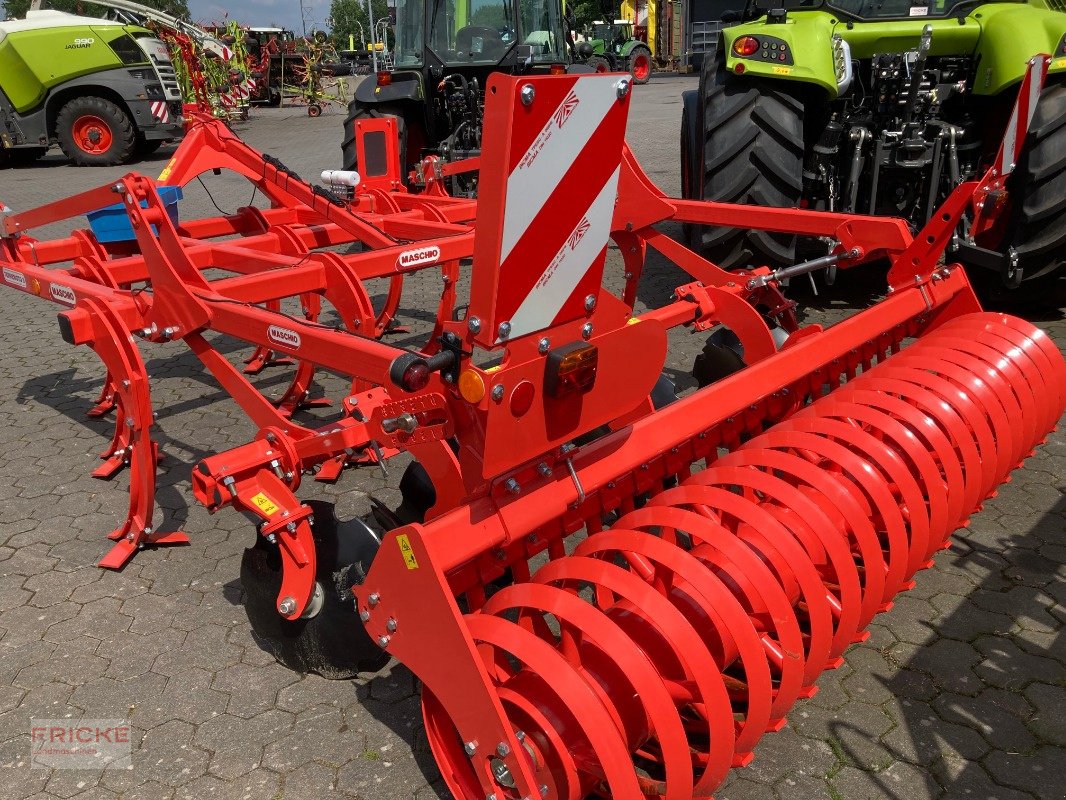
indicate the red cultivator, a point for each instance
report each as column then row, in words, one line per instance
column 605, row 589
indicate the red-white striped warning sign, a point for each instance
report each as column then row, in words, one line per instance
column 160, row 111
column 547, row 194
column 1022, row 115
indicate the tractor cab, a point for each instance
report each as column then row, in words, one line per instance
column 444, row 52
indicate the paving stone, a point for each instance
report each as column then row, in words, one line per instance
column 950, row 664
column 1043, row 773
column 1048, row 722
column 1009, row 667
column 921, row 735
column 996, row 714
column 900, row 781
column 854, row 736
column 967, row 780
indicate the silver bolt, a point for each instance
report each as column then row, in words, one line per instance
column 502, row 774
column 504, row 330
column 543, row 345
column 364, row 615
column 473, row 325
column 384, row 640
column 544, row 469
column 528, row 94
column 287, row 606
column 272, row 538
column 391, row 626
column 590, row 302
column 622, row 88
column 520, row 735
column 374, row 599
column 470, row 748
column 513, row 486
column 503, row 750
column 497, row 392
column 544, row 790
column 586, row 330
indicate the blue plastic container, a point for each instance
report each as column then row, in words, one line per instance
column 112, row 224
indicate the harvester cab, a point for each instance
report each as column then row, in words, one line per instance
column 881, row 108
column 443, row 55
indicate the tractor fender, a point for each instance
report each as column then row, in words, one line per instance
column 1010, row 36
column 369, row 93
column 807, row 38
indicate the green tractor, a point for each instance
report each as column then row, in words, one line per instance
column 103, row 90
column 613, row 48
column 880, row 107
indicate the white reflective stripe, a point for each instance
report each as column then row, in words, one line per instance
column 1010, row 138
column 529, row 187
column 570, row 265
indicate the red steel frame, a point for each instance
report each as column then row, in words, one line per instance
column 510, row 484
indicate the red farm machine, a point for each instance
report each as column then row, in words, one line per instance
column 606, row 590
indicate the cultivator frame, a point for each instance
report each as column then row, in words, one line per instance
column 836, row 464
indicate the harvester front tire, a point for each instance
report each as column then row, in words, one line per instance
column 95, row 132
column 1038, row 227
column 639, row 64
column 753, row 154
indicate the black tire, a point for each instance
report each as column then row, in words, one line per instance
column 356, row 110
column 639, row 64
column 1038, row 226
column 753, row 154
column 600, row 64
column 121, row 133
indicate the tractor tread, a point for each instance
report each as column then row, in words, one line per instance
column 753, row 154
column 1039, row 223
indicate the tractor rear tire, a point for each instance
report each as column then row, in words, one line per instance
column 600, row 64
column 356, row 111
column 753, row 154
column 639, row 64
column 95, row 132
column 1038, row 227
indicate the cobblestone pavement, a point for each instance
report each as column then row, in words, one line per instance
column 960, row 692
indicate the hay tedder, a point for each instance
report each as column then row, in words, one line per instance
column 606, row 589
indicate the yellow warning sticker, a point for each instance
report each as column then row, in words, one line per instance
column 265, row 504
column 782, row 70
column 166, row 170
column 406, row 551
column 1060, row 62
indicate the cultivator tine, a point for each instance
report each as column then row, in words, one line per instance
column 605, row 589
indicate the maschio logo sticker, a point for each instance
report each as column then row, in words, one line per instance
column 64, row 294
column 15, row 278
column 419, row 257
column 284, row 336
